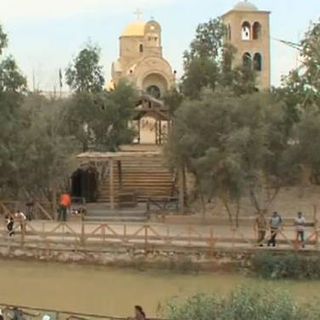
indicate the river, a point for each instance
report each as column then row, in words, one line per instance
column 114, row 292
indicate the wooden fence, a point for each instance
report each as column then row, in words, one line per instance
column 77, row 236
column 38, row 313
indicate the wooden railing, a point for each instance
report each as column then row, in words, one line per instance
column 38, row 313
column 78, row 236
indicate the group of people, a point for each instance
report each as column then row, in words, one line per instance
column 275, row 226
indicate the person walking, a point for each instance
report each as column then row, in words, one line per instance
column 260, row 227
column 275, row 226
column 300, row 223
column 65, row 203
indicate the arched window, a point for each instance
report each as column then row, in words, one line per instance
column 154, row 91
column 256, row 31
column 247, row 60
column 257, row 62
column 141, row 48
column 246, row 31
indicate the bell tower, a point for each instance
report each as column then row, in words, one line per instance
column 248, row 30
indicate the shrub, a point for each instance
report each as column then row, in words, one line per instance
column 291, row 266
column 244, row 303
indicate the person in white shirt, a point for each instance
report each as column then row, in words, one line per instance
column 300, row 223
column 21, row 218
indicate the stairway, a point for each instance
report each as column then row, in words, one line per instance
column 101, row 212
column 144, row 177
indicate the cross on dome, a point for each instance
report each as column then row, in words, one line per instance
column 139, row 14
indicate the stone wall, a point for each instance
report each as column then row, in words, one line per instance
column 181, row 260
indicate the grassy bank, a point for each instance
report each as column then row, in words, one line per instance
column 244, row 303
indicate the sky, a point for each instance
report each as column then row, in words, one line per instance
column 44, row 35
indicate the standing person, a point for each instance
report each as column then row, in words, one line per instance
column 65, row 203
column 261, row 228
column 300, row 223
column 21, row 218
column 10, row 225
column 275, row 226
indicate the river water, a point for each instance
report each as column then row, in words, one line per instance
column 114, row 292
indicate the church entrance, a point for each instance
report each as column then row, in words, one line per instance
column 84, row 184
column 152, row 120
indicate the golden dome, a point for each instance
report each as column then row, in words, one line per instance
column 135, row 29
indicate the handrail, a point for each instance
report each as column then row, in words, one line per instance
column 87, row 236
column 71, row 314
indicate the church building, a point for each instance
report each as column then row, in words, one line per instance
column 141, row 59
column 248, row 30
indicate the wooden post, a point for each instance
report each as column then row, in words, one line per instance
column 54, row 202
column 181, row 191
column 23, row 226
column 125, row 233
column 146, row 227
column 111, row 181
column 160, row 132
column 315, row 219
column 82, row 232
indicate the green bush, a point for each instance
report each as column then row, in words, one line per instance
column 290, row 266
column 242, row 304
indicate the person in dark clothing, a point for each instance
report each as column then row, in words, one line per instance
column 139, row 313
column 30, row 207
column 17, row 314
column 275, row 227
column 10, row 226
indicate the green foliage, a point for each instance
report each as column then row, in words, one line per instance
column 35, row 154
column 301, row 88
column 233, row 145
column 173, row 100
column 85, row 74
column 12, row 83
column 200, row 73
column 209, row 63
column 242, row 304
column 288, row 266
column 10, row 77
column 208, row 41
column 43, row 145
column 100, row 120
column 3, row 40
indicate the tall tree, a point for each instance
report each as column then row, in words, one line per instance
column 233, row 146
column 3, row 40
column 301, row 87
column 12, row 83
column 100, row 120
column 209, row 63
column 85, row 74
